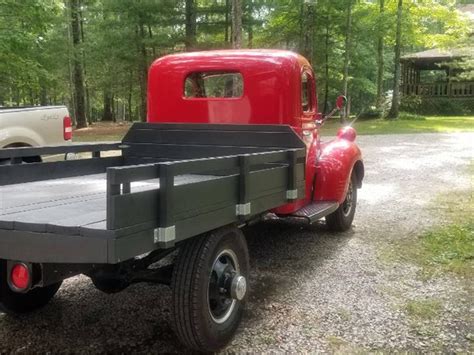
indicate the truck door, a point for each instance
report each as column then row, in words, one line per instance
column 308, row 127
column 308, row 106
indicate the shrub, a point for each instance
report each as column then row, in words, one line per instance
column 371, row 113
column 406, row 116
column 443, row 106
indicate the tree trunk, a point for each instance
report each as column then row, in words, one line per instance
column 84, row 67
column 326, row 68
column 226, row 21
column 250, row 42
column 190, row 41
column 394, row 110
column 31, row 97
column 142, row 72
column 71, row 99
column 380, row 61
column 115, row 109
column 347, row 60
column 347, row 49
column 130, row 96
column 150, row 34
column 307, row 30
column 17, row 98
column 43, row 95
column 237, row 24
column 78, row 77
column 250, row 25
column 108, row 114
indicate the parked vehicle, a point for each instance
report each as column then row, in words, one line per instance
column 34, row 127
column 232, row 136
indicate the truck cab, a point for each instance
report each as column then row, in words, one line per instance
column 262, row 87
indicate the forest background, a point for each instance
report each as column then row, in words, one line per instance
column 93, row 55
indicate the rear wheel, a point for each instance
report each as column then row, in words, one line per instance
column 209, row 289
column 18, row 303
column 341, row 219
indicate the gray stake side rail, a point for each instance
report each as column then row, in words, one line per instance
column 18, row 172
column 185, row 194
column 94, row 148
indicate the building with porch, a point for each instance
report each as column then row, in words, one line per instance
column 430, row 81
column 430, row 74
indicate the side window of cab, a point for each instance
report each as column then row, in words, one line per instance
column 307, row 89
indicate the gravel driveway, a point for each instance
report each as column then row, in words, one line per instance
column 312, row 290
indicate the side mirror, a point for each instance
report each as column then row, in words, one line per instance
column 341, row 102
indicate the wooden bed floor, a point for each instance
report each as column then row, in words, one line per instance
column 77, row 202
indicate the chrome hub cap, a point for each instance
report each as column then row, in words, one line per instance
column 226, row 286
column 238, row 288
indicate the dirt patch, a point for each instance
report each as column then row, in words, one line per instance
column 102, row 131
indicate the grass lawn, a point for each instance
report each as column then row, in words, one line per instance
column 432, row 124
column 445, row 248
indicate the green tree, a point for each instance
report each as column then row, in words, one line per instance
column 118, row 40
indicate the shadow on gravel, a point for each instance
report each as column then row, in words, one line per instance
column 82, row 319
column 282, row 255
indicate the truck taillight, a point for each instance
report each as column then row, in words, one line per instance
column 20, row 277
column 67, row 125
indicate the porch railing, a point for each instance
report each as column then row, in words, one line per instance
column 453, row 89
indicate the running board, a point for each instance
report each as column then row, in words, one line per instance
column 316, row 210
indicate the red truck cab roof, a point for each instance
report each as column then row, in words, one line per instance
column 232, row 86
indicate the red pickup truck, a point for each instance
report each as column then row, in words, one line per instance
column 232, row 137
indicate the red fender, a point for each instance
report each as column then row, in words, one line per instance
column 339, row 158
column 327, row 176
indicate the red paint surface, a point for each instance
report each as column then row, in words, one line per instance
column 347, row 133
column 271, row 95
column 334, row 168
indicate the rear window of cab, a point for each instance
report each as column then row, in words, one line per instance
column 213, row 84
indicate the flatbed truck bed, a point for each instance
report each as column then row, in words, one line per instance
column 168, row 185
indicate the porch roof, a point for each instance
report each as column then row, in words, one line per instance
column 432, row 58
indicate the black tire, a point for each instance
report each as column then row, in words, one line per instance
column 194, row 283
column 29, row 160
column 14, row 303
column 25, row 160
column 341, row 219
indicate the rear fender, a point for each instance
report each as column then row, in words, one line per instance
column 14, row 136
column 339, row 158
